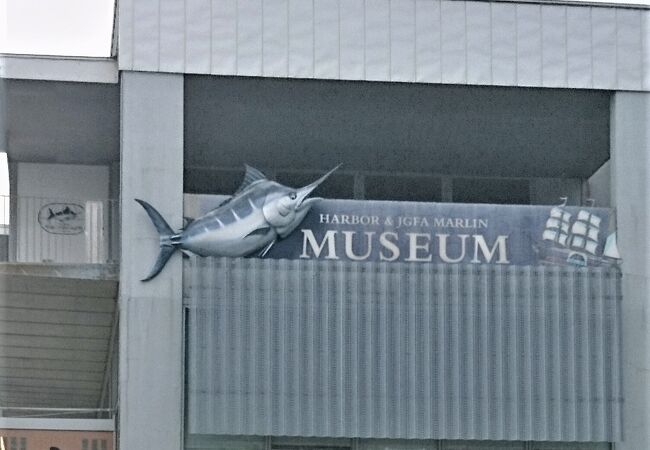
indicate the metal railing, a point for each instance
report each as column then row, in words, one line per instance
column 58, row 230
column 32, row 430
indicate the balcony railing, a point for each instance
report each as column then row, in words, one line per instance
column 58, row 230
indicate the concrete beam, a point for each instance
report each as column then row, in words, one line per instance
column 151, row 339
column 20, row 423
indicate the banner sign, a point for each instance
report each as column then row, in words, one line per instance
column 448, row 233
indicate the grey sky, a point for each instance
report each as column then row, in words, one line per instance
column 56, row 27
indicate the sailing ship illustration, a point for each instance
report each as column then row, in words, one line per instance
column 575, row 239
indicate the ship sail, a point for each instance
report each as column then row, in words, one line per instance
column 557, row 226
column 574, row 238
column 611, row 249
column 584, row 232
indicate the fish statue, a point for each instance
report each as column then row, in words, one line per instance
column 259, row 213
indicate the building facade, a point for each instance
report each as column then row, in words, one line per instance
column 446, row 102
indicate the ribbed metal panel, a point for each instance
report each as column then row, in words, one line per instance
column 328, row 348
column 422, row 41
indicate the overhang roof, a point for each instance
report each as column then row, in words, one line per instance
column 62, row 122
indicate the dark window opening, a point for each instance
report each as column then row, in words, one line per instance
column 491, row 190
column 403, row 188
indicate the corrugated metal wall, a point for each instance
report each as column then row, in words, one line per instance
column 322, row 348
column 427, row 41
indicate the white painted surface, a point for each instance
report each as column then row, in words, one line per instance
column 84, row 70
column 151, row 363
column 630, row 193
column 427, row 41
column 41, row 184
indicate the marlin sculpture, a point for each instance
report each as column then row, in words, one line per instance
column 250, row 222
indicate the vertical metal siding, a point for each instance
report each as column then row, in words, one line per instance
column 428, row 41
column 322, row 348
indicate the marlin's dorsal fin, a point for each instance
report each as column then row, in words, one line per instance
column 251, row 176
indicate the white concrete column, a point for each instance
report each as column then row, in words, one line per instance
column 630, row 175
column 13, row 181
column 3, row 115
column 151, row 365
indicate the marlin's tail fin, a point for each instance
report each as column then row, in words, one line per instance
column 167, row 248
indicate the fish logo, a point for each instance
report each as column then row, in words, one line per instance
column 62, row 218
column 249, row 223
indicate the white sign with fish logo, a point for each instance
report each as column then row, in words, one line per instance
column 62, row 218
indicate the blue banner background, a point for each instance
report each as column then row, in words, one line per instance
column 523, row 226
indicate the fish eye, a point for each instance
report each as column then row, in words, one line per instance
column 293, row 196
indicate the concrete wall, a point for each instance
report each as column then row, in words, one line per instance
column 630, row 175
column 425, row 41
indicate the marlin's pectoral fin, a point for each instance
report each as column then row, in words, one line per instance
column 266, row 249
column 259, row 232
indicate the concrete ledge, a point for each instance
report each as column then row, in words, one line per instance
column 52, row 68
column 108, row 272
column 83, row 280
